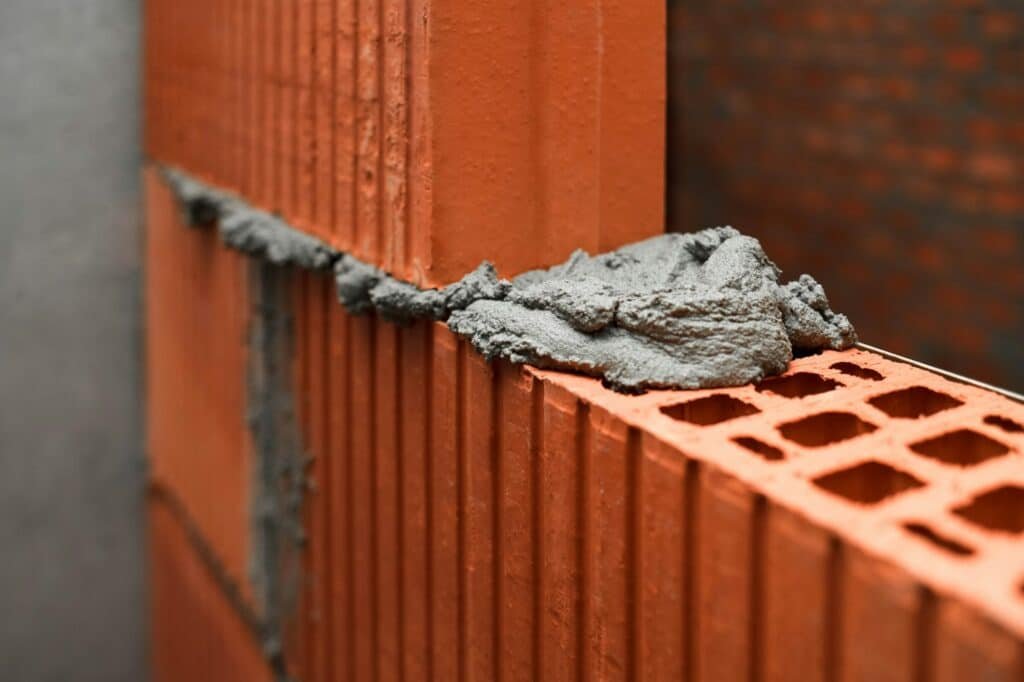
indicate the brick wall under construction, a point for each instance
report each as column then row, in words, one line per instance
column 336, row 497
column 854, row 519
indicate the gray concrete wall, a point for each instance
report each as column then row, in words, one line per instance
column 72, row 599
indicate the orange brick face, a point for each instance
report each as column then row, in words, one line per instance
column 399, row 131
column 197, row 634
column 484, row 519
column 850, row 493
column 535, row 523
column 466, row 518
column 852, row 519
column 196, row 361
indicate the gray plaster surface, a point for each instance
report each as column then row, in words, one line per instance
column 699, row 310
column 71, row 467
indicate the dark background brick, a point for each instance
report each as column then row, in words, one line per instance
column 876, row 145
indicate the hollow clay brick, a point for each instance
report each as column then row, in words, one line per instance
column 377, row 125
column 828, row 554
column 473, row 519
column 446, row 550
column 664, row 581
column 467, row 519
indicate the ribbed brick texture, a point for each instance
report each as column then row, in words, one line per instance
column 424, row 136
column 853, row 519
column 520, row 524
column 877, row 145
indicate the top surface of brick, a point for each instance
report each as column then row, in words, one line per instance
column 926, row 473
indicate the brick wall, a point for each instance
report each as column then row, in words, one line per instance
column 466, row 520
column 879, row 146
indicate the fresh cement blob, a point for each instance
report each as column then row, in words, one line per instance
column 677, row 311
column 696, row 310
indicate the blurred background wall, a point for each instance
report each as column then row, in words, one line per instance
column 878, row 145
column 71, row 587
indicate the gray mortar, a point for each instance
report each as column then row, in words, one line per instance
column 245, row 228
column 696, row 310
column 279, row 477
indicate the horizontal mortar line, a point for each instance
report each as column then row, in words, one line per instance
column 953, row 376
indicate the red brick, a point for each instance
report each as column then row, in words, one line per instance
column 196, row 363
column 665, row 592
column 527, row 520
column 445, row 505
column 196, row 632
column 396, row 146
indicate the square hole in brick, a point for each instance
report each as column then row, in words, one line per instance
column 1000, row 509
column 822, row 429
column 914, row 402
column 712, row 409
column 1004, row 423
column 941, row 541
column 962, row 447
column 798, row 385
column 868, row 482
column 769, row 452
column 853, row 370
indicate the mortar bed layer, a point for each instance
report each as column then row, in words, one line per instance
column 699, row 310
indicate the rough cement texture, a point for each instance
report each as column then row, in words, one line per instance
column 280, row 482
column 245, row 228
column 71, row 463
column 676, row 311
column 696, row 310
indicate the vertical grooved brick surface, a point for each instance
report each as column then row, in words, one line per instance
column 415, row 494
column 445, row 549
column 408, row 133
column 480, row 513
column 795, row 598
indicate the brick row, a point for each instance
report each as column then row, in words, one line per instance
column 197, row 323
column 401, row 131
